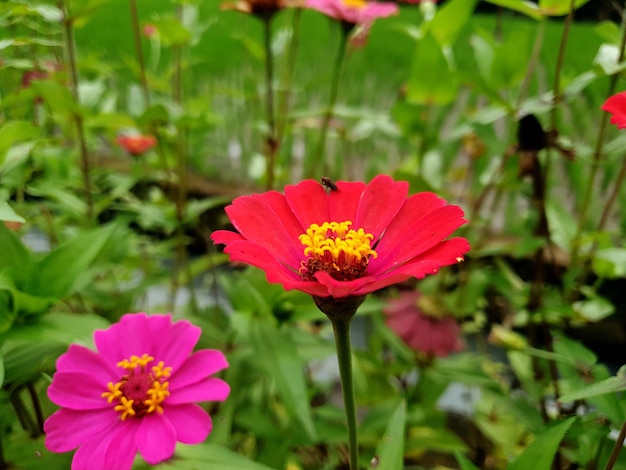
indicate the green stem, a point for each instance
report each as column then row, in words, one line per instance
column 597, row 154
column 271, row 144
column 612, row 197
column 34, row 398
column 616, row 448
column 319, row 156
column 341, row 327
column 283, row 102
column 78, row 119
column 139, row 51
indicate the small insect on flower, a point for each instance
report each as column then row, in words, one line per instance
column 328, row 183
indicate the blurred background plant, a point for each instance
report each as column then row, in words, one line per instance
column 127, row 126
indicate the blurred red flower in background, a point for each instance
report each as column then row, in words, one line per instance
column 136, row 144
column 353, row 11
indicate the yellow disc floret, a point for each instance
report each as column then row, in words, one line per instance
column 337, row 249
column 142, row 390
column 355, row 3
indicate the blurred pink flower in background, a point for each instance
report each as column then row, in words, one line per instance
column 616, row 105
column 353, row 11
column 420, row 324
column 149, row 30
column 136, row 393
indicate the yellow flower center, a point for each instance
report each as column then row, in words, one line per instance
column 335, row 248
column 355, row 3
column 142, row 390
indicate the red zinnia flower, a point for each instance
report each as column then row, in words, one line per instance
column 136, row 144
column 353, row 240
column 353, row 11
column 430, row 333
column 616, row 105
column 137, row 393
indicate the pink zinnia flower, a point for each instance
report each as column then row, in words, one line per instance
column 136, row 144
column 353, row 11
column 346, row 241
column 136, row 393
column 429, row 333
column 616, row 105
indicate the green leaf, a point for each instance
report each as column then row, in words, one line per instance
column 14, row 132
column 522, row 6
column 431, row 80
column 539, row 455
column 8, row 214
column 15, row 259
column 464, row 462
column 206, row 455
column 390, row 450
column 61, row 268
column 450, row 19
column 610, row 385
column 558, row 7
column 275, row 352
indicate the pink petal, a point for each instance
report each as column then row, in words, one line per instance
column 81, row 359
column 343, row 203
column 174, row 345
column 78, row 391
column 155, row 438
column 257, row 222
column 67, row 429
column 96, row 453
column 191, row 422
column 408, row 238
column 380, row 202
column 209, row 389
column 125, row 338
column 197, row 367
column 309, row 202
column 122, row 450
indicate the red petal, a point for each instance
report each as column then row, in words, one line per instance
column 380, row 202
column 254, row 255
column 343, row 203
column 224, row 237
column 255, row 219
column 407, row 238
column 309, row 202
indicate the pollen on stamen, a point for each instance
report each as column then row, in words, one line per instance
column 336, row 248
column 141, row 390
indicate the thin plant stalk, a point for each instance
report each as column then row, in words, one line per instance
column 612, row 197
column 78, row 119
column 619, row 443
column 271, row 142
column 341, row 328
column 182, row 177
column 597, row 154
column 139, row 51
column 319, row 156
column 283, row 98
